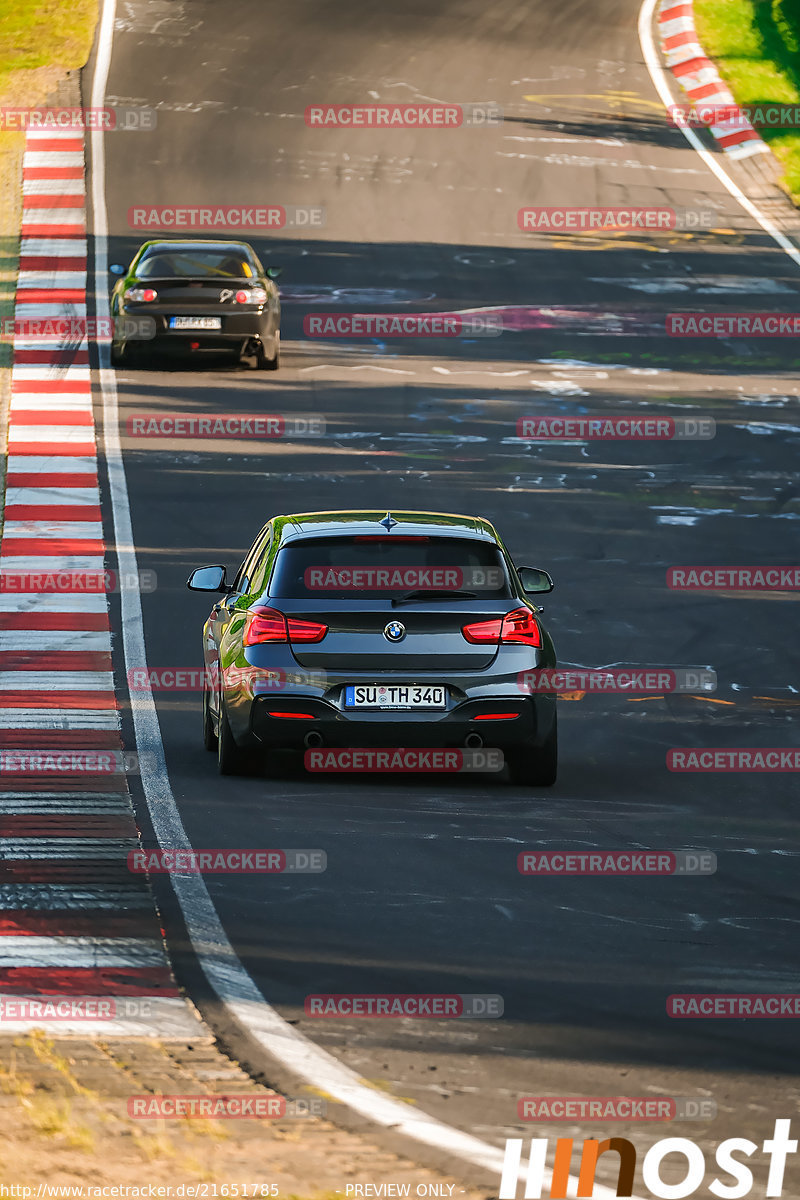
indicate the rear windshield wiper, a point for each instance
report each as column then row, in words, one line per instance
column 432, row 594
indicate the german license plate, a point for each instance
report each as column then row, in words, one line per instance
column 195, row 322
column 398, row 696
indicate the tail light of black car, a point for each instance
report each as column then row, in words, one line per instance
column 519, row 626
column 254, row 295
column 269, row 625
column 141, row 295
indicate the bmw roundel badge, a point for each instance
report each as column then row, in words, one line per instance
column 394, row 631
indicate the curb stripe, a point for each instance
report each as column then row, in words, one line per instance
column 687, row 60
column 66, row 820
column 105, row 981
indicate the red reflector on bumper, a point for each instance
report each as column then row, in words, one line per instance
column 292, row 716
column 496, row 717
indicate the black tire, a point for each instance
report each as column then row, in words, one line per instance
column 272, row 364
column 232, row 758
column 533, row 767
column 210, row 739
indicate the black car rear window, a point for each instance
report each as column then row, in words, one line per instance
column 216, row 264
column 375, row 567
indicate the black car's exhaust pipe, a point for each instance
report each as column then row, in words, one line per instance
column 312, row 740
column 473, row 741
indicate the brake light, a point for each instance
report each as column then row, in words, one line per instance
column 388, row 538
column 141, row 295
column 254, row 295
column 269, row 625
column 519, row 626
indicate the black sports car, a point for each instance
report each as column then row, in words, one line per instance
column 201, row 296
column 364, row 629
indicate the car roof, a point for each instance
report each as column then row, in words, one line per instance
column 360, row 523
column 189, row 243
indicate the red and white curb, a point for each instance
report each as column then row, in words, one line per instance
column 699, row 78
column 75, row 926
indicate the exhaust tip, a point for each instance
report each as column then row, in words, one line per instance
column 473, row 741
column 312, row 740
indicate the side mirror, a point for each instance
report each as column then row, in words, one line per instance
column 274, row 272
column 117, row 269
column 534, row 580
column 207, row 579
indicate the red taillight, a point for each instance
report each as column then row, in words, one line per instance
column 256, row 295
column 305, row 631
column 138, row 294
column 269, row 625
column 519, row 626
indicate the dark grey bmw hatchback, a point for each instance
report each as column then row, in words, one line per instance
column 368, row 629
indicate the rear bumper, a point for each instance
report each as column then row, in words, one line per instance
column 235, row 328
column 531, row 725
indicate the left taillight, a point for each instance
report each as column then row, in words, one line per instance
column 519, row 626
column 141, row 295
column 269, row 625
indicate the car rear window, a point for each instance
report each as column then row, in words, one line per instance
column 216, row 264
column 374, row 567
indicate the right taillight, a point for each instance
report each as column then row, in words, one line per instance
column 269, row 625
column 519, row 626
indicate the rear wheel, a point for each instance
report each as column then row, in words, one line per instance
column 272, row 364
column 210, row 738
column 535, row 767
column 232, row 758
